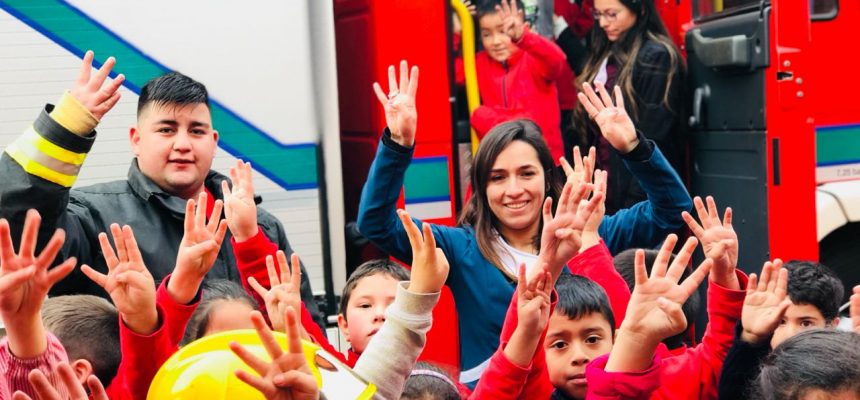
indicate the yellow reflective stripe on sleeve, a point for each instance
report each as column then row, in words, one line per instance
column 33, row 167
column 52, row 150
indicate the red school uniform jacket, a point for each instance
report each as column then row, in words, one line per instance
column 694, row 373
column 524, row 86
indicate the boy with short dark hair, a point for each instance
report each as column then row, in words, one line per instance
column 517, row 71
column 786, row 300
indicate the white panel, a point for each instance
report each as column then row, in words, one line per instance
column 35, row 71
column 835, row 173
column 438, row 209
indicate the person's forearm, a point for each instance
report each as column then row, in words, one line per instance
column 26, row 336
column 632, row 352
column 520, row 350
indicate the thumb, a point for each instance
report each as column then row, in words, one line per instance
column 674, row 313
column 200, row 249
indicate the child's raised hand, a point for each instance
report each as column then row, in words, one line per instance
column 400, row 112
column 513, row 23
column 719, row 241
column 288, row 375
column 765, row 303
column 533, row 300
column 429, row 264
column 88, row 89
column 198, row 249
column 285, row 291
column 582, row 169
column 45, row 390
column 654, row 310
column 239, row 206
column 854, row 309
column 593, row 223
column 615, row 125
column 128, row 282
column 561, row 236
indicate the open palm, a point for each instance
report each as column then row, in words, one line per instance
column 765, row 302
column 401, row 116
column 612, row 119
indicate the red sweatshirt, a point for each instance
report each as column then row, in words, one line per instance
column 578, row 17
column 523, row 86
column 142, row 356
column 502, row 379
column 695, row 372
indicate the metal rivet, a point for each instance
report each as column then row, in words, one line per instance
column 799, row 81
column 799, row 93
column 786, row 63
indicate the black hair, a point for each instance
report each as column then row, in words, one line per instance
column 814, row 284
column 429, row 382
column 486, row 7
column 624, row 265
column 88, row 328
column 579, row 296
column 369, row 268
column 172, row 88
column 214, row 292
column 818, row 359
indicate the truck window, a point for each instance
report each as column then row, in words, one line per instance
column 823, row 10
column 707, row 8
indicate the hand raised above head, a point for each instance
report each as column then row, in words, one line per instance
column 719, row 241
column 46, row 391
column 285, row 288
column 91, row 92
column 128, row 282
column 582, row 170
column 612, row 119
column 198, row 249
column 513, row 23
column 401, row 116
column 561, row 236
column 429, row 264
column 533, row 300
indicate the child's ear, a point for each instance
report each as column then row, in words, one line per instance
column 343, row 325
column 83, row 369
column 834, row 322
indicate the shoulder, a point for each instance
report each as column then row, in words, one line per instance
column 105, row 188
column 655, row 54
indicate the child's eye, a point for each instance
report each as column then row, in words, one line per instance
column 806, row 323
column 782, row 322
column 593, row 339
column 364, row 305
column 558, row 344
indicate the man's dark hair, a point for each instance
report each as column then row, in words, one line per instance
column 624, row 265
column 485, row 7
column 824, row 360
column 814, row 284
column 214, row 291
column 172, row 88
column 579, row 296
column 88, row 327
column 369, row 268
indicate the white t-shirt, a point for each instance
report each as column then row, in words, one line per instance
column 512, row 258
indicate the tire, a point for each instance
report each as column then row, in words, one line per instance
column 840, row 251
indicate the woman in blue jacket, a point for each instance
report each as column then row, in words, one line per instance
column 509, row 219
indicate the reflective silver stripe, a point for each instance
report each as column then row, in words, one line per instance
column 25, row 146
column 473, row 374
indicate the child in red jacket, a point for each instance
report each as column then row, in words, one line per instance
column 517, row 71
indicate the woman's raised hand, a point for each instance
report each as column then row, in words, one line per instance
column 615, row 125
column 400, row 112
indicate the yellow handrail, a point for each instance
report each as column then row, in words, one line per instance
column 473, row 97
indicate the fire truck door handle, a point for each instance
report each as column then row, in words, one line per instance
column 699, row 96
column 729, row 51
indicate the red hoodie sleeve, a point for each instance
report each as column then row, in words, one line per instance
column 581, row 20
column 503, row 379
column 696, row 372
column 176, row 315
column 547, row 55
column 251, row 261
column 604, row 385
column 595, row 263
column 142, row 356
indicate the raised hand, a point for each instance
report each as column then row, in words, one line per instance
column 582, row 169
column 765, row 303
column 561, row 236
column 401, row 116
column 429, row 264
column 473, row 9
column 590, row 237
column 128, row 282
column 288, row 376
column 533, row 299
column 719, row 241
column 511, row 19
column 655, row 304
column 613, row 121
column 27, row 280
column 88, row 89
column 854, row 309
column 239, row 206
column 45, row 391
column 285, row 291
column 198, row 249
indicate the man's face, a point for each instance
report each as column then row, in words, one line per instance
column 798, row 318
column 570, row 345
column 175, row 145
column 365, row 310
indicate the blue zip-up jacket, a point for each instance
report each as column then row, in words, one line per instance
column 481, row 291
